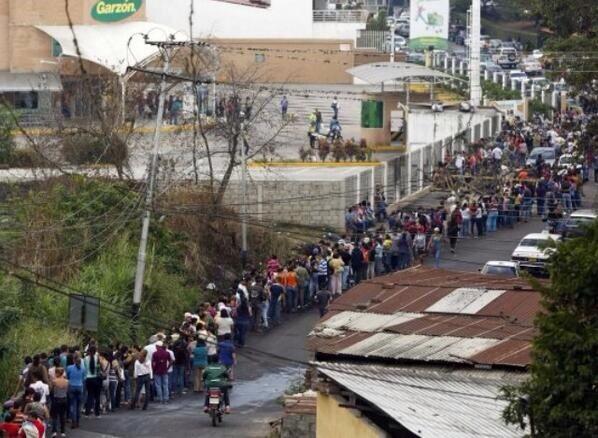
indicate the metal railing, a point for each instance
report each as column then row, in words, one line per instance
column 341, row 16
column 372, row 39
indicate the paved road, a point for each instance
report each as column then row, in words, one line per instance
column 260, row 382
column 472, row 254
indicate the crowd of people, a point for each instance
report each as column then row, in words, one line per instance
column 57, row 387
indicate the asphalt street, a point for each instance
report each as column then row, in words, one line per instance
column 260, row 381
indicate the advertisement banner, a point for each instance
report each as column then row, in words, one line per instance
column 429, row 24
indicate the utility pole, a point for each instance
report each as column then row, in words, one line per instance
column 141, row 255
column 475, row 89
column 244, row 146
column 391, row 23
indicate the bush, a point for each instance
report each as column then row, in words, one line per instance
column 494, row 91
column 79, row 149
column 7, row 143
column 24, row 158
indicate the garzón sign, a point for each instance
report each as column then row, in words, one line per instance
column 114, row 10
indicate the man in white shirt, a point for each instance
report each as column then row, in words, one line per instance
column 459, row 161
column 497, row 153
column 41, row 388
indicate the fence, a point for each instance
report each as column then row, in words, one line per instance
column 372, row 39
column 342, row 16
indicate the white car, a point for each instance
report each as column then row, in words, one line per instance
column 567, row 161
column 519, row 76
column 548, row 154
column 531, row 253
column 507, row 269
column 574, row 225
column 532, row 66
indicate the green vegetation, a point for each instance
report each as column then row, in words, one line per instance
column 494, row 91
column 536, row 106
column 560, row 396
column 84, row 234
column 571, row 51
column 7, row 143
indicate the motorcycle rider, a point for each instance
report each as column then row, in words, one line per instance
column 216, row 376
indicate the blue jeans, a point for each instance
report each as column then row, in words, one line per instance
column 437, row 258
column 265, row 307
column 273, row 310
column 161, row 384
column 291, row 300
column 75, row 401
column 465, row 227
column 127, row 386
column 241, row 327
column 178, row 379
column 492, row 219
column 567, row 205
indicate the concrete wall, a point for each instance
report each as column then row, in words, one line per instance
column 334, row 421
column 441, row 125
column 307, row 61
column 313, row 203
column 298, row 426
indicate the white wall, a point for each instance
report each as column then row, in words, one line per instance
column 425, row 127
column 344, row 31
column 283, row 19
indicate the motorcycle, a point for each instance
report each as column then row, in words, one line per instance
column 215, row 405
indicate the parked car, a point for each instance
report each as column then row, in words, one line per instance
column 490, row 66
column 548, row 154
column 575, row 223
column 506, row 57
column 508, row 269
column 567, row 161
column 519, row 76
column 533, row 252
column 416, row 57
column 540, row 83
column 532, row 67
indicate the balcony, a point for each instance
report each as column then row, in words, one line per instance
column 341, row 16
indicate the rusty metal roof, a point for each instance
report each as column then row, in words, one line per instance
column 433, row 315
column 431, row 402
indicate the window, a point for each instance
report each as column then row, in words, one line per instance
column 22, row 100
column 260, row 58
column 56, row 49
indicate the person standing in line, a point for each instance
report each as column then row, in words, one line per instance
column 60, row 387
column 161, row 361
column 143, row 376
column 76, row 375
column 318, row 121
column 335, row 107
column 452, row 230
column 434, row 246
column 199, row 357
column 284, row 107
column 336, row 266
column 276, row 291
column 93, row 381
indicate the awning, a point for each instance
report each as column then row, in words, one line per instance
column 113, row 46
column 23, row 82
column 432, row 402
column 378, row 72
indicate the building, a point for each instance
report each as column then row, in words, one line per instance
column 423, row 353
column 288, row 39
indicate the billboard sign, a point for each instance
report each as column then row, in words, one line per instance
column 114, row 10
column 429, row 24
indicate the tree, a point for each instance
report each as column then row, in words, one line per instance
column 561, row 397
column 571, row 52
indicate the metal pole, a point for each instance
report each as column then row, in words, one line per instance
column 475, row 89
column 392, row 43
column 244, row 197
column 139, row 273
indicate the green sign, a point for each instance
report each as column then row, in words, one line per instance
column 114, row 10
column 372, row 114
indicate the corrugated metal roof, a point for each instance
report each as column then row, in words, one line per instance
column 419, row 347
column 465, row 300
column 431, row 403
column 468, row 326
column 434, row 303
column 367, row 322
